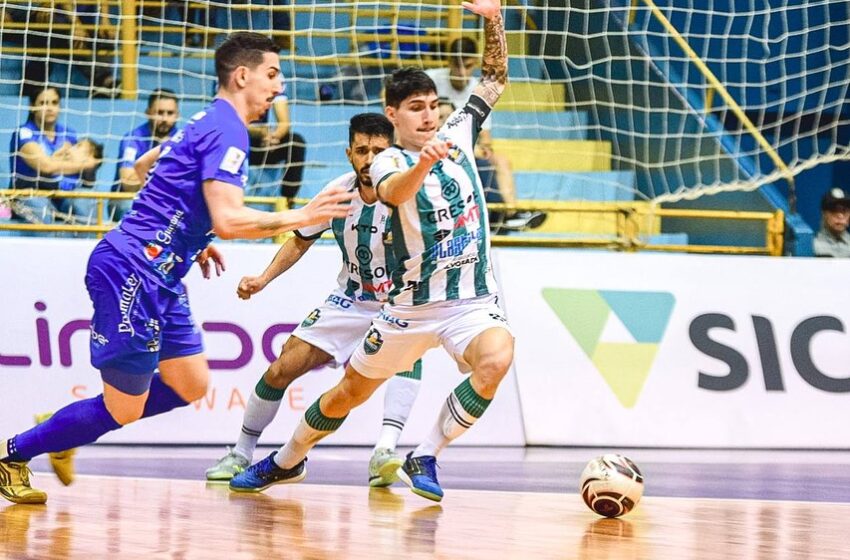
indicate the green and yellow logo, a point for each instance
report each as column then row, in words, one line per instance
column 619, row 331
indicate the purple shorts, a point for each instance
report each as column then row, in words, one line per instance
column 136, row 322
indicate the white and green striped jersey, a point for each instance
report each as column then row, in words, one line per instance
column 440, row 237
column 361, row 235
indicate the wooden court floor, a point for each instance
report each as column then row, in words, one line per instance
column 117, row 517
column 106, row 516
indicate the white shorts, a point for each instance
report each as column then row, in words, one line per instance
column 401, row 334
column 337, row 326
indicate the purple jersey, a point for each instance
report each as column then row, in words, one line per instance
column 170, row 224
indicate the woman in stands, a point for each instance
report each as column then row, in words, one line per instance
column 42, row 157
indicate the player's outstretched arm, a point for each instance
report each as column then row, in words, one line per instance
column 494, row 64
column 289, row 254
column 231, row 219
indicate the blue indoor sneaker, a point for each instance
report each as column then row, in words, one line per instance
column 420, row 473
column 260, row 476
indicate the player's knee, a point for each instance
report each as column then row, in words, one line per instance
column 126, row 412
column 278, row 375
column 353, row 394
column 194, row 390
column 491, row 369
column 282, row 373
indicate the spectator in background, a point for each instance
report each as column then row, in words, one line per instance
column 95, row 67
column 456, row 83
column 81, row 210
column 162, row 112
column 41, row 156
column 273, row 145
column 833, row 240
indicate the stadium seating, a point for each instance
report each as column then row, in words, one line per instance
column 553, row 160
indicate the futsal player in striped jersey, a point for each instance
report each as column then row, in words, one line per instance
column 329, row 334
column 444, row 291
column 144, row 340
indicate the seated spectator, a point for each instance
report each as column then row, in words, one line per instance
column 96, row 67
column 41, row 154
column 162, row 112
column 81, row 210
column 456, row 83
column 833, row 240
column 273, row 145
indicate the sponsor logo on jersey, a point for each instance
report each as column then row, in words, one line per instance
column 365, row 228
column 381, row 288
column 98, row 338
column 153, row 328
column 363, row 254
column 129, row 289
column 498, row 317
column 457, row 156
column 450, row 189
column 339, row 301
column 452, row 247
column 464, row 208
column 152, row 251
column 393, row 320
column 469, row 259
column 232, row 160
column 311, row 319
column 373, row 341
column 166, row 236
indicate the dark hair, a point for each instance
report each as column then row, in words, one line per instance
column 241, row 49
column 370, row 124
column 96, row 147
column 405, row 82
column 88, row 177
column 834, row 199
column 33, row 94
column 161, row 93
column 463, row 47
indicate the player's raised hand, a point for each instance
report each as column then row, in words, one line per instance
column 433, row 151
column 484, row 8
column 211, row 254
column 250, row 285
column 330, row 203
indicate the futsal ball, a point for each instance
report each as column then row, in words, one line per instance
column 611, row 485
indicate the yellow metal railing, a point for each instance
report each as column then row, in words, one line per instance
column 629, row 234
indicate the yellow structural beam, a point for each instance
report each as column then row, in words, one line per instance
column 555, row 155
column 533, row 96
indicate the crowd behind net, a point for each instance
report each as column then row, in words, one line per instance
column 612, row 100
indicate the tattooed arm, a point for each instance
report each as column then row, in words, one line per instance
column 494, row 67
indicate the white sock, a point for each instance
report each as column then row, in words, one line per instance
column 259, row 412
column 459, row 412
column 398, row 400
column 313, row 427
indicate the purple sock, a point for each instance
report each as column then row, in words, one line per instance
column 84, row 422
column 161, row 398
column 77, row 424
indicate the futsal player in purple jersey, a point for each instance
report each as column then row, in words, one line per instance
column 143, row 338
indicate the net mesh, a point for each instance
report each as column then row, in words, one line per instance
column 605, row 104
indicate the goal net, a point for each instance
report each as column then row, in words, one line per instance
column 608, row 102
